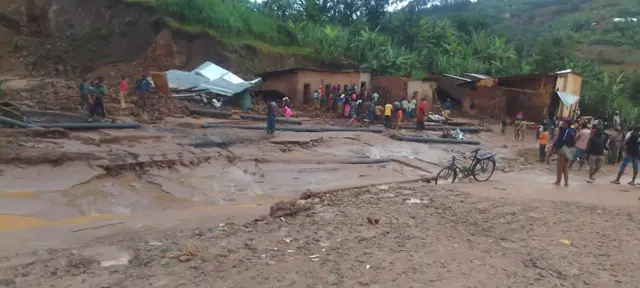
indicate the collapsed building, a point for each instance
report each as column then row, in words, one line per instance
column 538, row 96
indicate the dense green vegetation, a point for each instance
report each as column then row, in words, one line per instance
column 494, row 37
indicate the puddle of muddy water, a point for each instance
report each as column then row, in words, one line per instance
column 124, row 195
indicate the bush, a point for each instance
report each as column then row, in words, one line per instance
column 226, row 18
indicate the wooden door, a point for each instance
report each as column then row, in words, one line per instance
column 306, row 94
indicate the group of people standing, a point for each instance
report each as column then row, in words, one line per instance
column 578, row 142
column 93, row 94
column 357, row 104
column 405, row 111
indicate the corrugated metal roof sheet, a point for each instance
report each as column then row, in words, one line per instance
column 567, row 98
column 456, row 77
column 479, row 76
column 211, row 77
column 564, row 71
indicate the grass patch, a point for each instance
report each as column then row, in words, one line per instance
column 233, row 41
column 229, row 22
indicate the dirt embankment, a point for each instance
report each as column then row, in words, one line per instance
column 71, row 38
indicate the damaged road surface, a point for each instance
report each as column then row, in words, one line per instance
column 55, row 179
column 180, row 207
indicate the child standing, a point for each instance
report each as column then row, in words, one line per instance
column 543, row 140
column 287, row 112
column 399, row 118
column 503, row 126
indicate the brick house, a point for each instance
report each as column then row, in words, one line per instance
column 299, row 83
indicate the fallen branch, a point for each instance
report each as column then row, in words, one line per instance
column 227, row 114
column 97, row 227
column 311, row 193
column 435, row 140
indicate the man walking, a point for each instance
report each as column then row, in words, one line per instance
column 582, row 141
column 272, row 113
column 632, row 144
column 595, row 152
column 143, row 85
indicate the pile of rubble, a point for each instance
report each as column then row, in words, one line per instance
column 46, row 94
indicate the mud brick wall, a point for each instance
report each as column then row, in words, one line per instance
column 390, row 88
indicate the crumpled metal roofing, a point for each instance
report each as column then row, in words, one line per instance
column 211, row 77
column 567, row 98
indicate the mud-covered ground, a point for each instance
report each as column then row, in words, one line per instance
column 401, row 236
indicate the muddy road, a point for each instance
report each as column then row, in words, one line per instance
column 387, row 236
column 180, row 216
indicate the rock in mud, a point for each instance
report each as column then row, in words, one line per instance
column 81, row 262
column 289, row 208
column 184, row 258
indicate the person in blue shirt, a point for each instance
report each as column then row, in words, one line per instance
column 563, row 145
column 448, row 105
column 143, row 85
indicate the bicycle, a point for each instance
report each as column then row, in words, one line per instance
column 485, row 163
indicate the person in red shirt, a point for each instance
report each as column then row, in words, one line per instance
column 423, row 109
column 124, row 87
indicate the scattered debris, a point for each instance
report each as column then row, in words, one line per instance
column 415, row 201
column 289, row 208
column 566, row 242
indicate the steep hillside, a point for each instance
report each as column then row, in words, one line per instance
column 615, row 44
column 68, row 38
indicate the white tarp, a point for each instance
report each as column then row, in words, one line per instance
column 211, row 77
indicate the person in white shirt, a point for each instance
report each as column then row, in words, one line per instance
column 616, row 119
column 412, row 107
column 405, row 108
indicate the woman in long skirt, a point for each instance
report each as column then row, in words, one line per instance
column 615, row 143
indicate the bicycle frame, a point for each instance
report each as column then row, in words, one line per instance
column 455, row 166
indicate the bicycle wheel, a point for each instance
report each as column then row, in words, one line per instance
column 447, row 174
column 484, row 167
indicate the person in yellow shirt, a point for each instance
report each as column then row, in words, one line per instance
column 543, row 140
column 387, row 115
column 379, row 112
